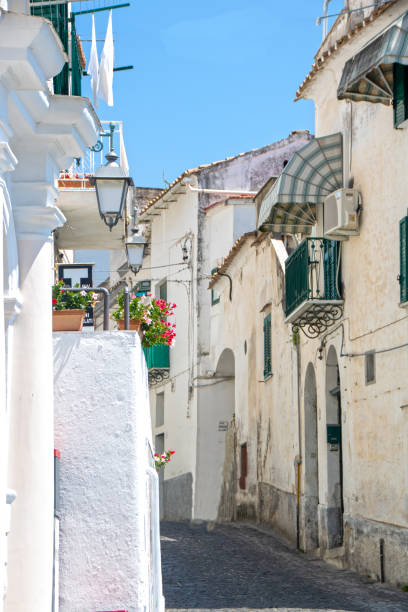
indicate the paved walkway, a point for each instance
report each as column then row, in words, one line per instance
column 238, row 568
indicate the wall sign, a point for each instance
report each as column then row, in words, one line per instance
column 81, row 274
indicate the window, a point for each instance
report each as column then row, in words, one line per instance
column 215, row 298
column 163, row 291
column 403, row 275
column 160, row 409
column 400, row 94
column 370, row 367
column 267, row 346
column 159, row 444
column 142, row 287
column 244, row 466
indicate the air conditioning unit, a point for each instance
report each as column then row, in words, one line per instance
column 341, row 214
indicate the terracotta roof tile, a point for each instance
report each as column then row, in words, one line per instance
column 211, row 165
column 320, row 61
column 237, row 196
column 233, row 251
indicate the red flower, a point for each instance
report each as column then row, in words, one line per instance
column 172, row 452
column 54, row 301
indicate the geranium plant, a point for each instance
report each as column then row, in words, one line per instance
column 162, row 460
column 65, row 299
column 152, row 314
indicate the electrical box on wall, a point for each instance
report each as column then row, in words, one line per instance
column 341, row 214
column 333, row 434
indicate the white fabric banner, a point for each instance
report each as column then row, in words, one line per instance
column 105, row 87
column 93, row 66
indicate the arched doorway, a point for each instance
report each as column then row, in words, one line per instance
column 335, row 503
column 216, row 404
column 311, row 464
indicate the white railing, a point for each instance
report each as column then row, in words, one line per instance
column 111, row 137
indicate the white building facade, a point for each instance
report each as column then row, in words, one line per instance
column 190, row 227
column 40, row 133
column 320, row 439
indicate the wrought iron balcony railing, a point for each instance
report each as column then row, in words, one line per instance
column 158, row 362
column 313, row 299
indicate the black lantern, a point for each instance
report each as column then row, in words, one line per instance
column 111, row 186
column 135, row 247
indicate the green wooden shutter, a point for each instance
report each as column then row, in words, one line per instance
column 400, row 94
column 76, row 68
column 58, row 15
column 214, row 298
column 404, row 259
column 267, row 346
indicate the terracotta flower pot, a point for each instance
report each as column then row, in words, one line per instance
column 68, row 320
column 134, row 325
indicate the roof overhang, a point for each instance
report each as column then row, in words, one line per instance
column 368, row 76
column 312, row 173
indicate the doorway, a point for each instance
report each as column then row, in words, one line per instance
column 335, row 501
column 311, row 474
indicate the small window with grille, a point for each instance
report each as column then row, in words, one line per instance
column 370, row 368
column 159, row 409
column 267, row 346
column 244, row 466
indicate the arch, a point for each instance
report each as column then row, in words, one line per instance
column 311, row 463
column 226, row 363
column 335, row 504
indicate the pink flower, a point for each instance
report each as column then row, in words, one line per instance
column 83, row 293
column 94, row 296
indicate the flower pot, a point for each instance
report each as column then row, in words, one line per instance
column 134, row 325
column 68, row 320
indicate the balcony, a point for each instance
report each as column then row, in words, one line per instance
column 77, row 199
column 68, row 82
column 313, row 299
column 158, row 362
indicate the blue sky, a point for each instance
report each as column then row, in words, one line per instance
column 210, row 79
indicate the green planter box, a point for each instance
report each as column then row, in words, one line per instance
column 157, row 357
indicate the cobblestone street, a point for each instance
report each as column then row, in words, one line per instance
column 231, row 568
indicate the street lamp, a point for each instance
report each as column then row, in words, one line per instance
column 111, row 186
column 135, row 247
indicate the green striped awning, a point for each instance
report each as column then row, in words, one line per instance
column 368, row 76
column 313, row 172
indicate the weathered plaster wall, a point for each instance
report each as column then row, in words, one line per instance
column 102, row 429
column 265, row 410
column 176, row 225
column 374, row 416
column 191, row 417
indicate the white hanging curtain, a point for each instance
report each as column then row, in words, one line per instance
column 105, row 87
column 93, row 66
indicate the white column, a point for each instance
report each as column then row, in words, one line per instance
column 31, row 441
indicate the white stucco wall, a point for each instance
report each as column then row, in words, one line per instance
column 102, row 429
column 374, row 417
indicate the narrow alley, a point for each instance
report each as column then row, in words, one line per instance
column 239, row 568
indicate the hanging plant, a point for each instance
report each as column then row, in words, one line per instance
column 152, row 315
column 162, row 460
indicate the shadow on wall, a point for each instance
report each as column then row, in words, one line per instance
column 176, row 498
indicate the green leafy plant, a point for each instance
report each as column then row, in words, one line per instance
column 162, row 460
column 65, row 299
column 152, row 314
